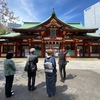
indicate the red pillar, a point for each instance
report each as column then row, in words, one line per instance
column 43, row 50
column 89, row 49
column 63, row 45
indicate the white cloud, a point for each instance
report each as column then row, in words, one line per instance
column 39, row 10
column 29, row 8
column 69, row 17
column 70, row 14
column 60, row 2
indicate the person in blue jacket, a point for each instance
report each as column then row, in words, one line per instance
column 9, row 71
column 50, row 77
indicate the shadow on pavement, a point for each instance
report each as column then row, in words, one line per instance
column 70, row 76
column 21, row 93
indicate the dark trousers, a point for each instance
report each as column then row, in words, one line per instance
column 62, row 71
column 8, row 85
column 31, row 80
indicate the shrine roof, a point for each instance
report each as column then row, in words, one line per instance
column 93, row 35
column 76, row 25
column 12, row 34
column 37, row 25
column 88, row 35
column 2, row 40
column 29, row 25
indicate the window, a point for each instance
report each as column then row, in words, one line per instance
column 70, row 48
column 53, row 33
column 8, row 48
column 95, row 49
column 38, row 47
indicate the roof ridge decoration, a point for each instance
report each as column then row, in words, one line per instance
column 53, row 13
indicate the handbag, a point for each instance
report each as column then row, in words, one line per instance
column 66, row 62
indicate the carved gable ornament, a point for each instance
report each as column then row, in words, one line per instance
column 53, row 23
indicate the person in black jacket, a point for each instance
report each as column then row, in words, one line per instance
column 62, row 64
column 31, row 75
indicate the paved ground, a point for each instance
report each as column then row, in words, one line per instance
column 82, row 82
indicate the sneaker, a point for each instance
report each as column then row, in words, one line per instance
column 12, row 93
column 50, row 95
column 29, row 89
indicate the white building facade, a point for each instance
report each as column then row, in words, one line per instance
column 92, row 17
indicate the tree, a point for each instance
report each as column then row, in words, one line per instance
column 2, row 31
column 6, row 16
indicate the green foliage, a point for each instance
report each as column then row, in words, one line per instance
column 2, row 31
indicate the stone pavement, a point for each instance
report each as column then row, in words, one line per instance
column 82, row 82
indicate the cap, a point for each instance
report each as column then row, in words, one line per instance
column 32, row 50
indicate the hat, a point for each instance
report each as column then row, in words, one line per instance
column 32, row 50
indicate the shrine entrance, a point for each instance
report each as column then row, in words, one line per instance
column 54, row 47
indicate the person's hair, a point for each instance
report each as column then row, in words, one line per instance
column 32, row 52
column 49, row 52
column 9, row 55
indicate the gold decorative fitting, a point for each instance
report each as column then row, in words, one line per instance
column 76, row 39
column 90, row 42
column 66, row 27
column 64, row 32
column 29, row 40
column 39, row 27
column 53, row 21
column 42, row 32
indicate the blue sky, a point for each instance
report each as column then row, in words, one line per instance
column 40, row 10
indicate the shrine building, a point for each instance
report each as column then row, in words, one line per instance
column 51, row 33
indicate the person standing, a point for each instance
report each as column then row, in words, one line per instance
column 50, row 76
column 62, row 64
column 31, row 75
column 9, row 71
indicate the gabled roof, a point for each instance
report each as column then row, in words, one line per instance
column 28, row 25
column 44, row 24
column 76, row 25
column 2, row 40
column 12, row 34
column 88, row 35
column 93, row 35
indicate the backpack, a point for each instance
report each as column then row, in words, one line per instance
column 48, row 66
column 31, row 67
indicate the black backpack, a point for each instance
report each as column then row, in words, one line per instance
column 31, row 67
